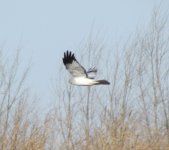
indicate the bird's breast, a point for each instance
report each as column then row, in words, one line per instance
column 82, row 81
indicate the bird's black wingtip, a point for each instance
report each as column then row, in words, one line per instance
column 68, row 57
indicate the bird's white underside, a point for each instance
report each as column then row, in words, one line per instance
column 82, row 81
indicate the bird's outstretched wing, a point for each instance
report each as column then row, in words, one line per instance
column 91, row 73
column 73, row 66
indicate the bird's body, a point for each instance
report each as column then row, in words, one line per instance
column 83, row 81
column 80, row 76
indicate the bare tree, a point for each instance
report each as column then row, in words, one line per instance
column 133, row 111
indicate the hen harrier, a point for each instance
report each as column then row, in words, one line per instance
column 79, row 75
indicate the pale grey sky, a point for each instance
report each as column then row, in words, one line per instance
column 44, row 29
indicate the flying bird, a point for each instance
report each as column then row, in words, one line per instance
column 79, row 74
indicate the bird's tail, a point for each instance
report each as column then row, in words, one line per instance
column 102, row 82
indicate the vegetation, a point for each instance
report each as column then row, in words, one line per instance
column 130, row 114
